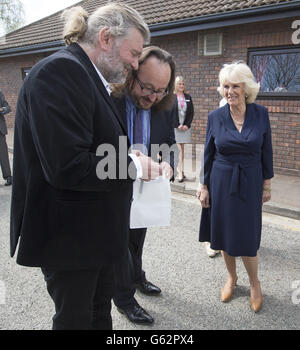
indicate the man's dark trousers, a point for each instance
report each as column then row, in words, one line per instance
column 127, row 275
column 94, row 311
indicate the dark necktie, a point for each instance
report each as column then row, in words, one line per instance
column 138, row 128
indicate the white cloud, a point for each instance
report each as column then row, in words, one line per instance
column 37, row 9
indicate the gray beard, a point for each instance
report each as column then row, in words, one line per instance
column 111, row 68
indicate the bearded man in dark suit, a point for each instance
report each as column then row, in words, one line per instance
column 68, row 217
column 146, row 105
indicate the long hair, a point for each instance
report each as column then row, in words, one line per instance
column 167, row 102
column 117, row 17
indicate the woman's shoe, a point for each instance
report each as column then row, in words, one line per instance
column 256, row 301
column 180, row 180
column 227, row 291
column 210, row 252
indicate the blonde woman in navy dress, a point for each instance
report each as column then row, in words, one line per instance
column 184, row 110
column 236, row 179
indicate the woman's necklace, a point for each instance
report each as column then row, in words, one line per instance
column 238, row 122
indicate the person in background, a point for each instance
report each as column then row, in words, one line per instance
column 184, row 114
column 146, row 104
column 236, row 181
column 4, row 159
column 68, row 215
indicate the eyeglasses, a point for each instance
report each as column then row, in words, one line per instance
column 148, row 91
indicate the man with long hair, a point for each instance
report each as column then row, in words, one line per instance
column 145, row 103
column 68, row 218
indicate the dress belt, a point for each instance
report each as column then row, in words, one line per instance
column 238, row 186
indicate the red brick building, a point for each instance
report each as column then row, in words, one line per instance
column 202, row 36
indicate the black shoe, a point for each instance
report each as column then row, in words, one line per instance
column 8, row 181
column 180, row 180
column 148, row 288
column 136, row 314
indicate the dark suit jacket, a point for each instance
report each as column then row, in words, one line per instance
column 3, row 103
column 161, row 132
column 64, row 215
column 189, row 112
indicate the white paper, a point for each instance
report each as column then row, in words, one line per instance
column 151, row 206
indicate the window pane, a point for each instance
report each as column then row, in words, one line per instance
column 277, row 72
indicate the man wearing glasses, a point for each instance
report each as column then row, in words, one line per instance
column 145, row 103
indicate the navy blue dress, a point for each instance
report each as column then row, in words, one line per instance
column 234, row 167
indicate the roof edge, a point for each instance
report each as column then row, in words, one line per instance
column 32, row 49
column 218, row 20
column 227, row 16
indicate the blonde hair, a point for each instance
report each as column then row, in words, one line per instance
column 239, row 72
column 117, row 17
column 75, row 24
column 177, row 80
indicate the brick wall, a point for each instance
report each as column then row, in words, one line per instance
column 201, row 74
column 11, row 79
